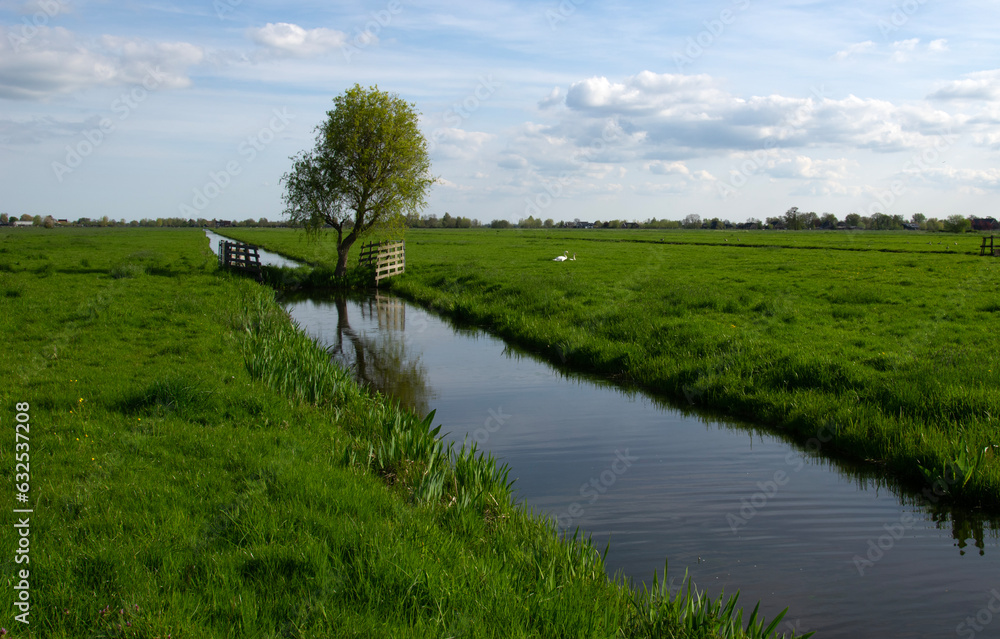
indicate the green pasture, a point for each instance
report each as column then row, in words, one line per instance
column 198, row 468
column 882, row 343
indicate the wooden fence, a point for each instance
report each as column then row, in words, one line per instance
column 239, row 255
column 388, row 258
column 987, row 247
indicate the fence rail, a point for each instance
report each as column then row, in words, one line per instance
column 239, row 255
column 987, row 247
column 388, row 258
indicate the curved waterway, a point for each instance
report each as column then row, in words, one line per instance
column 850, row 554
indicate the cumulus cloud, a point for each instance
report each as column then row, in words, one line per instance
column 678, row 117
column 53, row 61
column 982, row 85
column 286, row 39
column 645, row 93
column 664, row 123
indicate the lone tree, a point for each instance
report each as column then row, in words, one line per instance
column 369, row 168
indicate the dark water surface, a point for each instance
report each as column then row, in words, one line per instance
column 737, row 508
column 850, row 555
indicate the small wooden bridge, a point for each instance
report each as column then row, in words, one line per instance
column 239, row 255
column 988, row 248
column 388, row 258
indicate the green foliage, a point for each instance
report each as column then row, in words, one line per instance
column 368, row 170
column 956, row 224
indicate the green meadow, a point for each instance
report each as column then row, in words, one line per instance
column 197, row 467
column 881, row 346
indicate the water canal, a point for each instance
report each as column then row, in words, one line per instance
column 849, row 553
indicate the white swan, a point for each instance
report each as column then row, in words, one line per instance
column 572, row 258
column 561, row 258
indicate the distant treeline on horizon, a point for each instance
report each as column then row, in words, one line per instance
column 792, row 219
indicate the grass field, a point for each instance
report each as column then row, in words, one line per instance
column 881, row 346
column 196, row 467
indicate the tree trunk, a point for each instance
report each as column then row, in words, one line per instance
column 342, row 250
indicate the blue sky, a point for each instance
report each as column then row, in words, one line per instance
column 563, row 110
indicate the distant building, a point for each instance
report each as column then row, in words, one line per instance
column 23, row 223
column 985, row 224
column 910, row 226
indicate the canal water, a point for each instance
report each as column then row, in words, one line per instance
column 849, row 553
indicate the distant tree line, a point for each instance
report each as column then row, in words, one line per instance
column 792, row 220
column 49, row 221
column 446, row 221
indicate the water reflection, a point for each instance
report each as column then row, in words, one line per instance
column 383, row 363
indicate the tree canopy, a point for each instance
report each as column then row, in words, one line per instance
column 368, row 169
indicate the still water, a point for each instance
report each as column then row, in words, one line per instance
column 850, row 554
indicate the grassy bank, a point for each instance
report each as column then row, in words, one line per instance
column 878, row 346
column 198, row 468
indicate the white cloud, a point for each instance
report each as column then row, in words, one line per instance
column 678, row 117
column 286, row 39
column 54, row 62
column 938, row 46
column 982, row 85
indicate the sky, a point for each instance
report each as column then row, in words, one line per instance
column 562, row 109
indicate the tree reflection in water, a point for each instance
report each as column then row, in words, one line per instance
column 384, row 364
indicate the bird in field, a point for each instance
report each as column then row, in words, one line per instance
column 561, row 258
column 572, row 258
